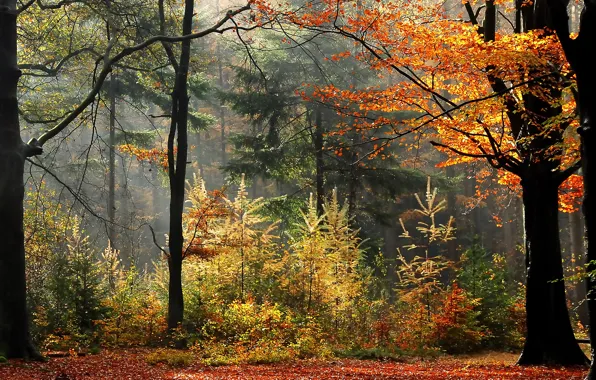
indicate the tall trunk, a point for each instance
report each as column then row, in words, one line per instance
column 452, row 253
column 177, row 173
column 588, row 149
column 352, row 185
column 576, row 236
column 318, row 145
column 549, row 338
column 586, row 82
column 112, row 162
column 473, row 218
column 508, row 233
column 222, row 109
column 14, row 321
column 578, row 53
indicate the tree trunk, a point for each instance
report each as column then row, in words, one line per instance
column 112, row 163
column 576, row 236
column 222, row 108
column 586, row 80
column 549, row 338
column 588, row 148
column 579, row 55
column 177, row 175
column 318, row 145
column 15, row 341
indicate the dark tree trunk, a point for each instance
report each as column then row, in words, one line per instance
column 579, row 56
column 177, row 174
column 14, row 321
column 549, row 338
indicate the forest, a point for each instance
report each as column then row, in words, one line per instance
column 368, row 189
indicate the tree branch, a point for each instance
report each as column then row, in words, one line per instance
column 108, row 63
column 52, row 71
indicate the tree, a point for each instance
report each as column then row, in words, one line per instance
column 14, row 325
column 177, row 166
column 577, row 53
column 485, row 94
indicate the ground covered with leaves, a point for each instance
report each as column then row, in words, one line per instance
column 135, row 364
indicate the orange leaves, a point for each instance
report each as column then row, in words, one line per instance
column 206, row 208
column 339, row 56
column 132, row 364
column 456, row 327
column 570, row 193
column 153, row 156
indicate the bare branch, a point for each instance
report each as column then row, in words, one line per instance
column 52, row 71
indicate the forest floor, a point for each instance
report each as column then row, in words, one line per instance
column 132, row 364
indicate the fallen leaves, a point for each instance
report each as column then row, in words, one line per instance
column 131, row 364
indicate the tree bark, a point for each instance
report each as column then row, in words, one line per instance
column 177, row 175
column 588, row 148
column 549, row 338
column 579, row 56
column 15, row 340
column 586, row 82
column 576, row 237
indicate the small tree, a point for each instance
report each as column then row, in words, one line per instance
column 420, row 277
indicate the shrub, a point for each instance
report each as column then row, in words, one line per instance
column 171, row 357
column 499, row 308
column 136, row 316
column 456, row 328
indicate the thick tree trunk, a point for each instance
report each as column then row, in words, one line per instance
column 14, row 321
column 588, row 159
column 578, row 54
column 586, row 82
column 550, row 338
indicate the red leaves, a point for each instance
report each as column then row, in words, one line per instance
column 131, row 364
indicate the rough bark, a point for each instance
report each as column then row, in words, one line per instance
column 15, row 338
column 549, row 337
